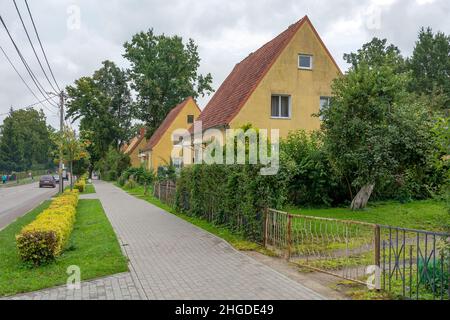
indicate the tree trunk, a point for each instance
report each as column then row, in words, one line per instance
column 71, row 175
column 363, row 196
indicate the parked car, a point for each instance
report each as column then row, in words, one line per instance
column 47, row 181
column 56, row 177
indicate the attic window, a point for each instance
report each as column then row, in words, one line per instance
column 305, row 61
column 190, row 119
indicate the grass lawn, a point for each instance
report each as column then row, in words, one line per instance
column 93, row 247
column 236, row 240
column 425, row 215
column 89, row 189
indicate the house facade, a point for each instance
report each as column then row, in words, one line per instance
column 135, row 147
column 158, row 150
column 281, row 86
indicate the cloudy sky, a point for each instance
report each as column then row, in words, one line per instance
column 79, row 34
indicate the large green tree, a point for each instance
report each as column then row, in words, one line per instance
column 104, row 106
column 430, row 65
column 25, row 142
column 373, row 131
column 164, row 71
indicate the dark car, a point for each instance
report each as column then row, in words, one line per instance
column 47, row 181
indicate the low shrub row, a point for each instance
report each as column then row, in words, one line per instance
column 45, row 238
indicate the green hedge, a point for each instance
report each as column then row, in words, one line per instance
column 234, row 196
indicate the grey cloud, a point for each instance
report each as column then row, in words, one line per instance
column 226, row 31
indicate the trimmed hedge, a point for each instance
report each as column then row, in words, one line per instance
column 45, row 238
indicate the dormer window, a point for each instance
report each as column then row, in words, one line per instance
column 305, row 61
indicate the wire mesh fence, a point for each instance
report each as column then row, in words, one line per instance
column 408, row 263
column 165, row 191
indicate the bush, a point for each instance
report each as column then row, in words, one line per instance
column 113, row 165
column 80, row 185
column 130, row 184
column 45, row 238
column 139, row 175
column 311, row 178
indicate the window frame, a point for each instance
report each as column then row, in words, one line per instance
column 190, row 116
column 280, row 117
column 320, row 103
column 300, row 55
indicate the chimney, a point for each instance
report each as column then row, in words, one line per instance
column 142, row 132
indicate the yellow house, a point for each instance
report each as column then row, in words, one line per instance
column 279, row 86
column 158, row 150
column 134, row 148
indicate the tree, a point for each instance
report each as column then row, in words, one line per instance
column 164, row 72
column 372, row 129
column 430, row 65
column 104, row 107
column 71, row 148
column 377, row 53
column 25, row 141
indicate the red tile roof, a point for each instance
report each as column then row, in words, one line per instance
column 245, row 77
column 134, row 143
column 166, row 124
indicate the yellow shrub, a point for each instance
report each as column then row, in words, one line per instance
column 45, row 238
column 80, row 185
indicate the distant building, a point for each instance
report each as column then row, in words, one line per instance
column 158, row 150
column 134, row 147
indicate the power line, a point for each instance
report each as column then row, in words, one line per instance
column 30, row 72
column 24, row 108
column 23, row 80
column 32, row 46
column 42, row 48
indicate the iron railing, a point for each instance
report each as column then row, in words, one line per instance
column 408, row 263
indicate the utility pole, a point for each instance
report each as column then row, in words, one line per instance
column 61, row 130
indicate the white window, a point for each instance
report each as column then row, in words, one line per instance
column 324, row 103
column 281, row 107
column 305, row 61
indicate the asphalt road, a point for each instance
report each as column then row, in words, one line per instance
column 17, row 201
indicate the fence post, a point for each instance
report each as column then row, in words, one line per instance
column 377, row 235
column 377, row 238
column 289, row 237
column 266, row 226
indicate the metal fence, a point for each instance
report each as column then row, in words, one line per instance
column 409, row 263
column 165, row 191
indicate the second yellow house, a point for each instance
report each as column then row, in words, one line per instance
column 158, row 150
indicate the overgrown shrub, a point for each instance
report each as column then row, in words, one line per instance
column 139, row 175
column 311, row 178
column 113, row 165
column 44, row 239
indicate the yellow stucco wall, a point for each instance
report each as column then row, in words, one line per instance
column 304, row 86
column 134, row 156
column 161, row 153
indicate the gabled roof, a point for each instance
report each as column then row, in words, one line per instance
column 245, row 77
column 166, row 124
column 134, row 143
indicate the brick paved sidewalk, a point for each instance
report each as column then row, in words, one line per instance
column 172, row 259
